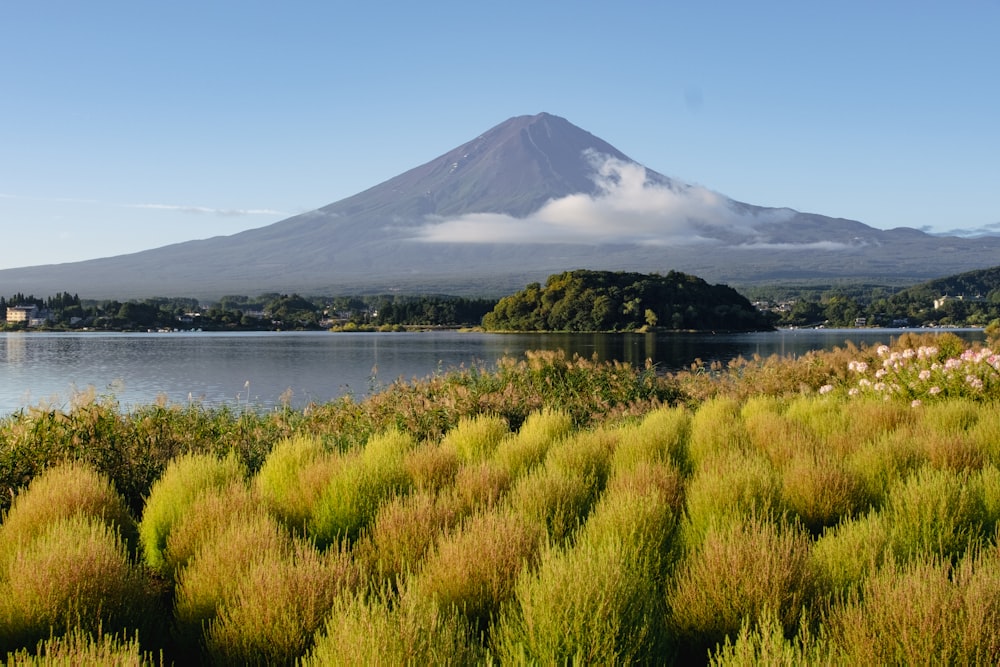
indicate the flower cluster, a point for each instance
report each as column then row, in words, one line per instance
column 921, row 373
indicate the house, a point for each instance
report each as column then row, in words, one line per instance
column 23, row 314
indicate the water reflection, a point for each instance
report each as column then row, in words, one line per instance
column 258, row 368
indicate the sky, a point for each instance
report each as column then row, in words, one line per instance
column 131, row 125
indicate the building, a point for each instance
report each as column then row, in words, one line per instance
column 23, row 314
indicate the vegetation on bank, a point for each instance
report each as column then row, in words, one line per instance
column 240, row 313
column 586, row 300
column 839, row 508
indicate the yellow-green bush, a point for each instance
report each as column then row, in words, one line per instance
column 74, row 574
column 62, row 491
column 170, row 497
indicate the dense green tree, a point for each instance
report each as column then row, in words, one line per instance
column 585, row 300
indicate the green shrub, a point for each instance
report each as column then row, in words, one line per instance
column 526, row 449
column 716, row 428
column 278, row 606
column 844, row 555
column 728, row 486
column 82, row 648
column 432, row 467
column 762, row 641
column 661, row 436
column 598, row 601
column 293, row 477
column 740, row 569
column 208, row 515
column 411, row 630
column 921, row 612
column 62, row 491
column 480, row 486
column 475, row 569
column 216, row 572
column 171, row 496
column 475, row 438
column 354, row 494
column 934, row 512
column 404, row 531
column 821, row 491
column 76, row 573
column 554, row 500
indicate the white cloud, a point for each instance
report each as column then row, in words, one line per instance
column 628, row 208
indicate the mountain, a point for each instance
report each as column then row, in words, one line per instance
column 533, row 196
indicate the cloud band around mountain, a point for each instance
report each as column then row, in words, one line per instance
column 628, row 207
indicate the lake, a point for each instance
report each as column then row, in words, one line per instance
column 255, row 369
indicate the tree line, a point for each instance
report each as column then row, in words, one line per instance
column 263, row 312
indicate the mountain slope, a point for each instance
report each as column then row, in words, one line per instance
column 533, row 196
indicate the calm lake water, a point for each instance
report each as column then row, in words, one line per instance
column 255, row 369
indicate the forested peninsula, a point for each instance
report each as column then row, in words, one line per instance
column 585, row 300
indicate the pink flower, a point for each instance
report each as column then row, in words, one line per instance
column 916, row 403
column 925, row 374
column 826, row 389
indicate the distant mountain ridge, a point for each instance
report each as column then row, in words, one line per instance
column 533, row 196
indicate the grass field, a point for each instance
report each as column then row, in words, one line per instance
column 839, row 508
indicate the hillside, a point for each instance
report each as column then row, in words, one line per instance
column 619, row 301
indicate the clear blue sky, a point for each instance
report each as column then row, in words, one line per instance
column 129, row 125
